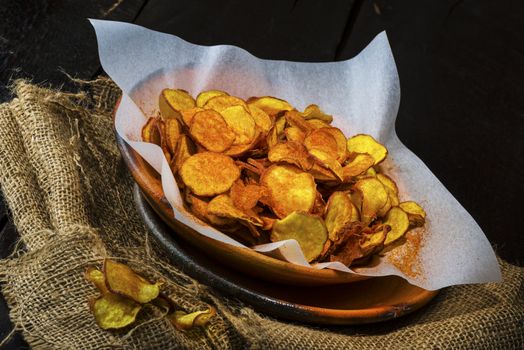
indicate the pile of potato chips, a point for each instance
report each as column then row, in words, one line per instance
column 123, row 293
column 261, row 171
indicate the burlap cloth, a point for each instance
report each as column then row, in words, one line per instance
column 71, row 199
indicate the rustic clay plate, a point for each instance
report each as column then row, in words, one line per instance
column 373, row 300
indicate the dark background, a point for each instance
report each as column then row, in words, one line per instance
column 461, row 67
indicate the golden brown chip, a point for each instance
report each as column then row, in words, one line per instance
column 122, row 280
column 199, row 208
column 314, row 112
column 398, row 220
column 223, row 206
column 321, row 139
column 268, row 221
column 184, row 149
column 184, row 321
column 391, row 187
column 339, row 137
column 241, row 122
column 319, row 207
column 188, row 114
column 316, row 124
column 210, row 130
column 172, row 132
column 416, row 214
column 205, row 96
column 221, row 102
column 246, row 197
column 290, row 189
column 328, row 160
column 114, row 311
column 358, row 165
column 296, row 120
column 96, row 277
column 370, row 196
column 338, row 214
column 308, row 230
column 363, row 143
column 242, row 149
column 151, row 132
column 172, row 102
column 209, row 174
column 322, row 174
column 294, row 134
column 291, row 152
column 270, row 105
column 262, row 119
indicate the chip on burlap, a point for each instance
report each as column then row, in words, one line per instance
column 71, row 198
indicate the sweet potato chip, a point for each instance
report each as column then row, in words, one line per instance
column 172, row 133
column 322, row 174
column 321, row 139
column 308, row 230
column 358, row 165
column 398, row 220
column 370, row 196
column 262, row 119
column 416, row 214
column 184, row 321
column 221, row 102
column 172, row 102
column 205, row 96
column 374, row 241
column 338, row 214
column 328, row 160
column 337, row 134
column 151, row 132
column 391, row 187
column 314, row 112
column 316, row 124
column 242, row 149
column 113, row 311
column 96, row 277
column 291, row 152
column 294, row 134
column 270, row 105
column 290, row 189
column 319, row 207
column 199, row 173
column 122, row 280
column 188, row 114
column 210, row 130
column 223, row 206
column 184, row 149
column 246, row 197
column 362, row 143
column 296, row 120
column 199, row 208
column 241, row 122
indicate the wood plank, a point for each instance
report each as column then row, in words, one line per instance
column 462, row 79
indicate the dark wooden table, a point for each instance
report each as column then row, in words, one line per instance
column 461, row 66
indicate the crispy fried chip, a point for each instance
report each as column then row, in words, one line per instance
column 151, row 132
column 205, row 96
column 199, row 208
column 184, row 321
column 398, row 220
column 296, row 120
column 294, row 134
column 370, row 196
column 210, row 130
column 291, row 152
column 262, row 119
column 358, row 165
column 242, row 149
column 308, row 230
column 241, row 122
column 321, row 139
column 199, row 173
column 221, row 102
column 338, row 214
column 362, row 143
column 113, row 311
column 373, row 241
column 172, row 132
column 246, row 197
column 270, row 105
column 172, row 102
column 391, row 187
column 188, row 114
column 339, row 137
column 290, row 189
column 314, row 112
column 316, row 124
column 96, row 277
column 322, row 174
column 184, row 149
column 122, row 280
column 328, row 160
column 223, row 206
column 416, row 215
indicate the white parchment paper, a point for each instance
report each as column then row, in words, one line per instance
column 363, row 95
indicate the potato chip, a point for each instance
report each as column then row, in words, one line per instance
column 362, row 143
column 398, row 221
column 199, row 208
column 358, row 165
column 199, row 173
column 391, row 187
column 383, row 211
column 113, row 311
column 339, row 137
column 241, row 122
column 262, row 119
column 242, row 149
column 308, row 230
column 316, row 124
column 370, row 196
column 271, row 105
column 416, row 214
column 223, row 206
column 294, row 134
column 184, row 149
column 321, row 139
column 322, row 174
column 314, row 112
column 188, row 114
column 205, row 96
column 291, row 152
column 221, row 102
column 184, row 321
column 122, row 280
column 295, row 119
column 319, row 207
column 172, row 132
column 374, row 241
column 328, row 160
column 338, row 214
column 246, row 197
column 172, row 102
column 151, row 132
column 96, row 277
column 290, row 189
column 210, row 130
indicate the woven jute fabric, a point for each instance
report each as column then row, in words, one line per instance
column 70, row 196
